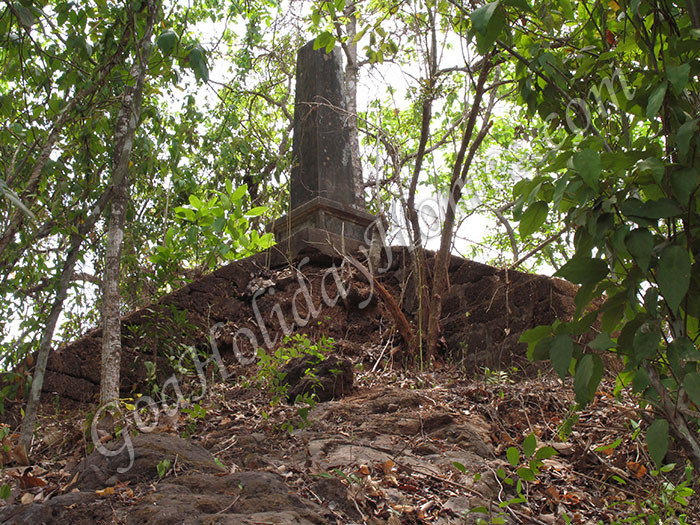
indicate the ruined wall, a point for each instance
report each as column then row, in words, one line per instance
column 484, row 313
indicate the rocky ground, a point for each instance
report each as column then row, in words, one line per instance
column 400, row 448
column 471, row 440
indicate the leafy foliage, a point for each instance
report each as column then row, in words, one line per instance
column 624, row 174
column 271, row 377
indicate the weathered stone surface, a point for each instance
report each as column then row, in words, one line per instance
column 250, row 497
column 147, row 450
column 325, row 209
column 332, row 378
column 240, row 498
column 321, row 147
column 484, row 313
column 59, row 510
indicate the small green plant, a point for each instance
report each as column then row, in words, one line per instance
column 194, row 414
column 271, row 378
column 163, row 467
column 666, row 503
column 5, row 489
column 525, row 467
column 499, row 377
column 151, row 378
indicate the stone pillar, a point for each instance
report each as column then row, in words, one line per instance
column 325, row 211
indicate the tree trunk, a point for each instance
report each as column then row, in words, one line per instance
column 65, row 279
column 351, row 78
column 418, row 253
column 127, row 122
column 459, row 177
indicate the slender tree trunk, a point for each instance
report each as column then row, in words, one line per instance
column 127, row 122
column 30, row 411
column 419, row 260
column 459, row 177
column 352, row 71
column 65, row 279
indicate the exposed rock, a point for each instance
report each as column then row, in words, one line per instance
column 240, row 498
column 137, row 458
column 59, row 510
column 329, row 379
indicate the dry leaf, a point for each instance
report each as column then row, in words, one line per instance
column 27, row 498
column 12, row 454
column 52, row 438
column 637, row 469
column 552, row 493
column 27, row 480
column 109, row 491
column 388, row 467
column 19, row 453
column 565, row 449
column 363, row 470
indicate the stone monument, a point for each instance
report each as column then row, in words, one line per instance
column 325, row 210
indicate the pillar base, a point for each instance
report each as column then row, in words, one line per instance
column 330, row 227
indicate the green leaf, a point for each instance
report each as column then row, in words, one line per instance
column 529, row 444
column 673, row 275
column 678, row 77
column 482, row 16
column 653, row 165
column 583, row 270
column 640, row 243
column 640, row 381
column 656, row 99
column 611, row 446
column 324, row 40
column 196, row 202
column 167, row 41
column 685, row 133
column 485, row 41
column 240, row 191
column 560, row 353
column 513, row 456
column 198, row 63
column 684, row 181
column 545, row 452
column 587, row 163
column 535, row 334
column 257, row 211
column 582, row 379
column 691, row 383
column 5, row 491
column 10, row 195
column 602, row 342
column 533, row 218
column 459, row 466
column 26, row 17
column 646, row 341
column 651, row 209
column 685, row 349
column 540, row 351
column 526, row 474
column 163, row 467
column 657, row 440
